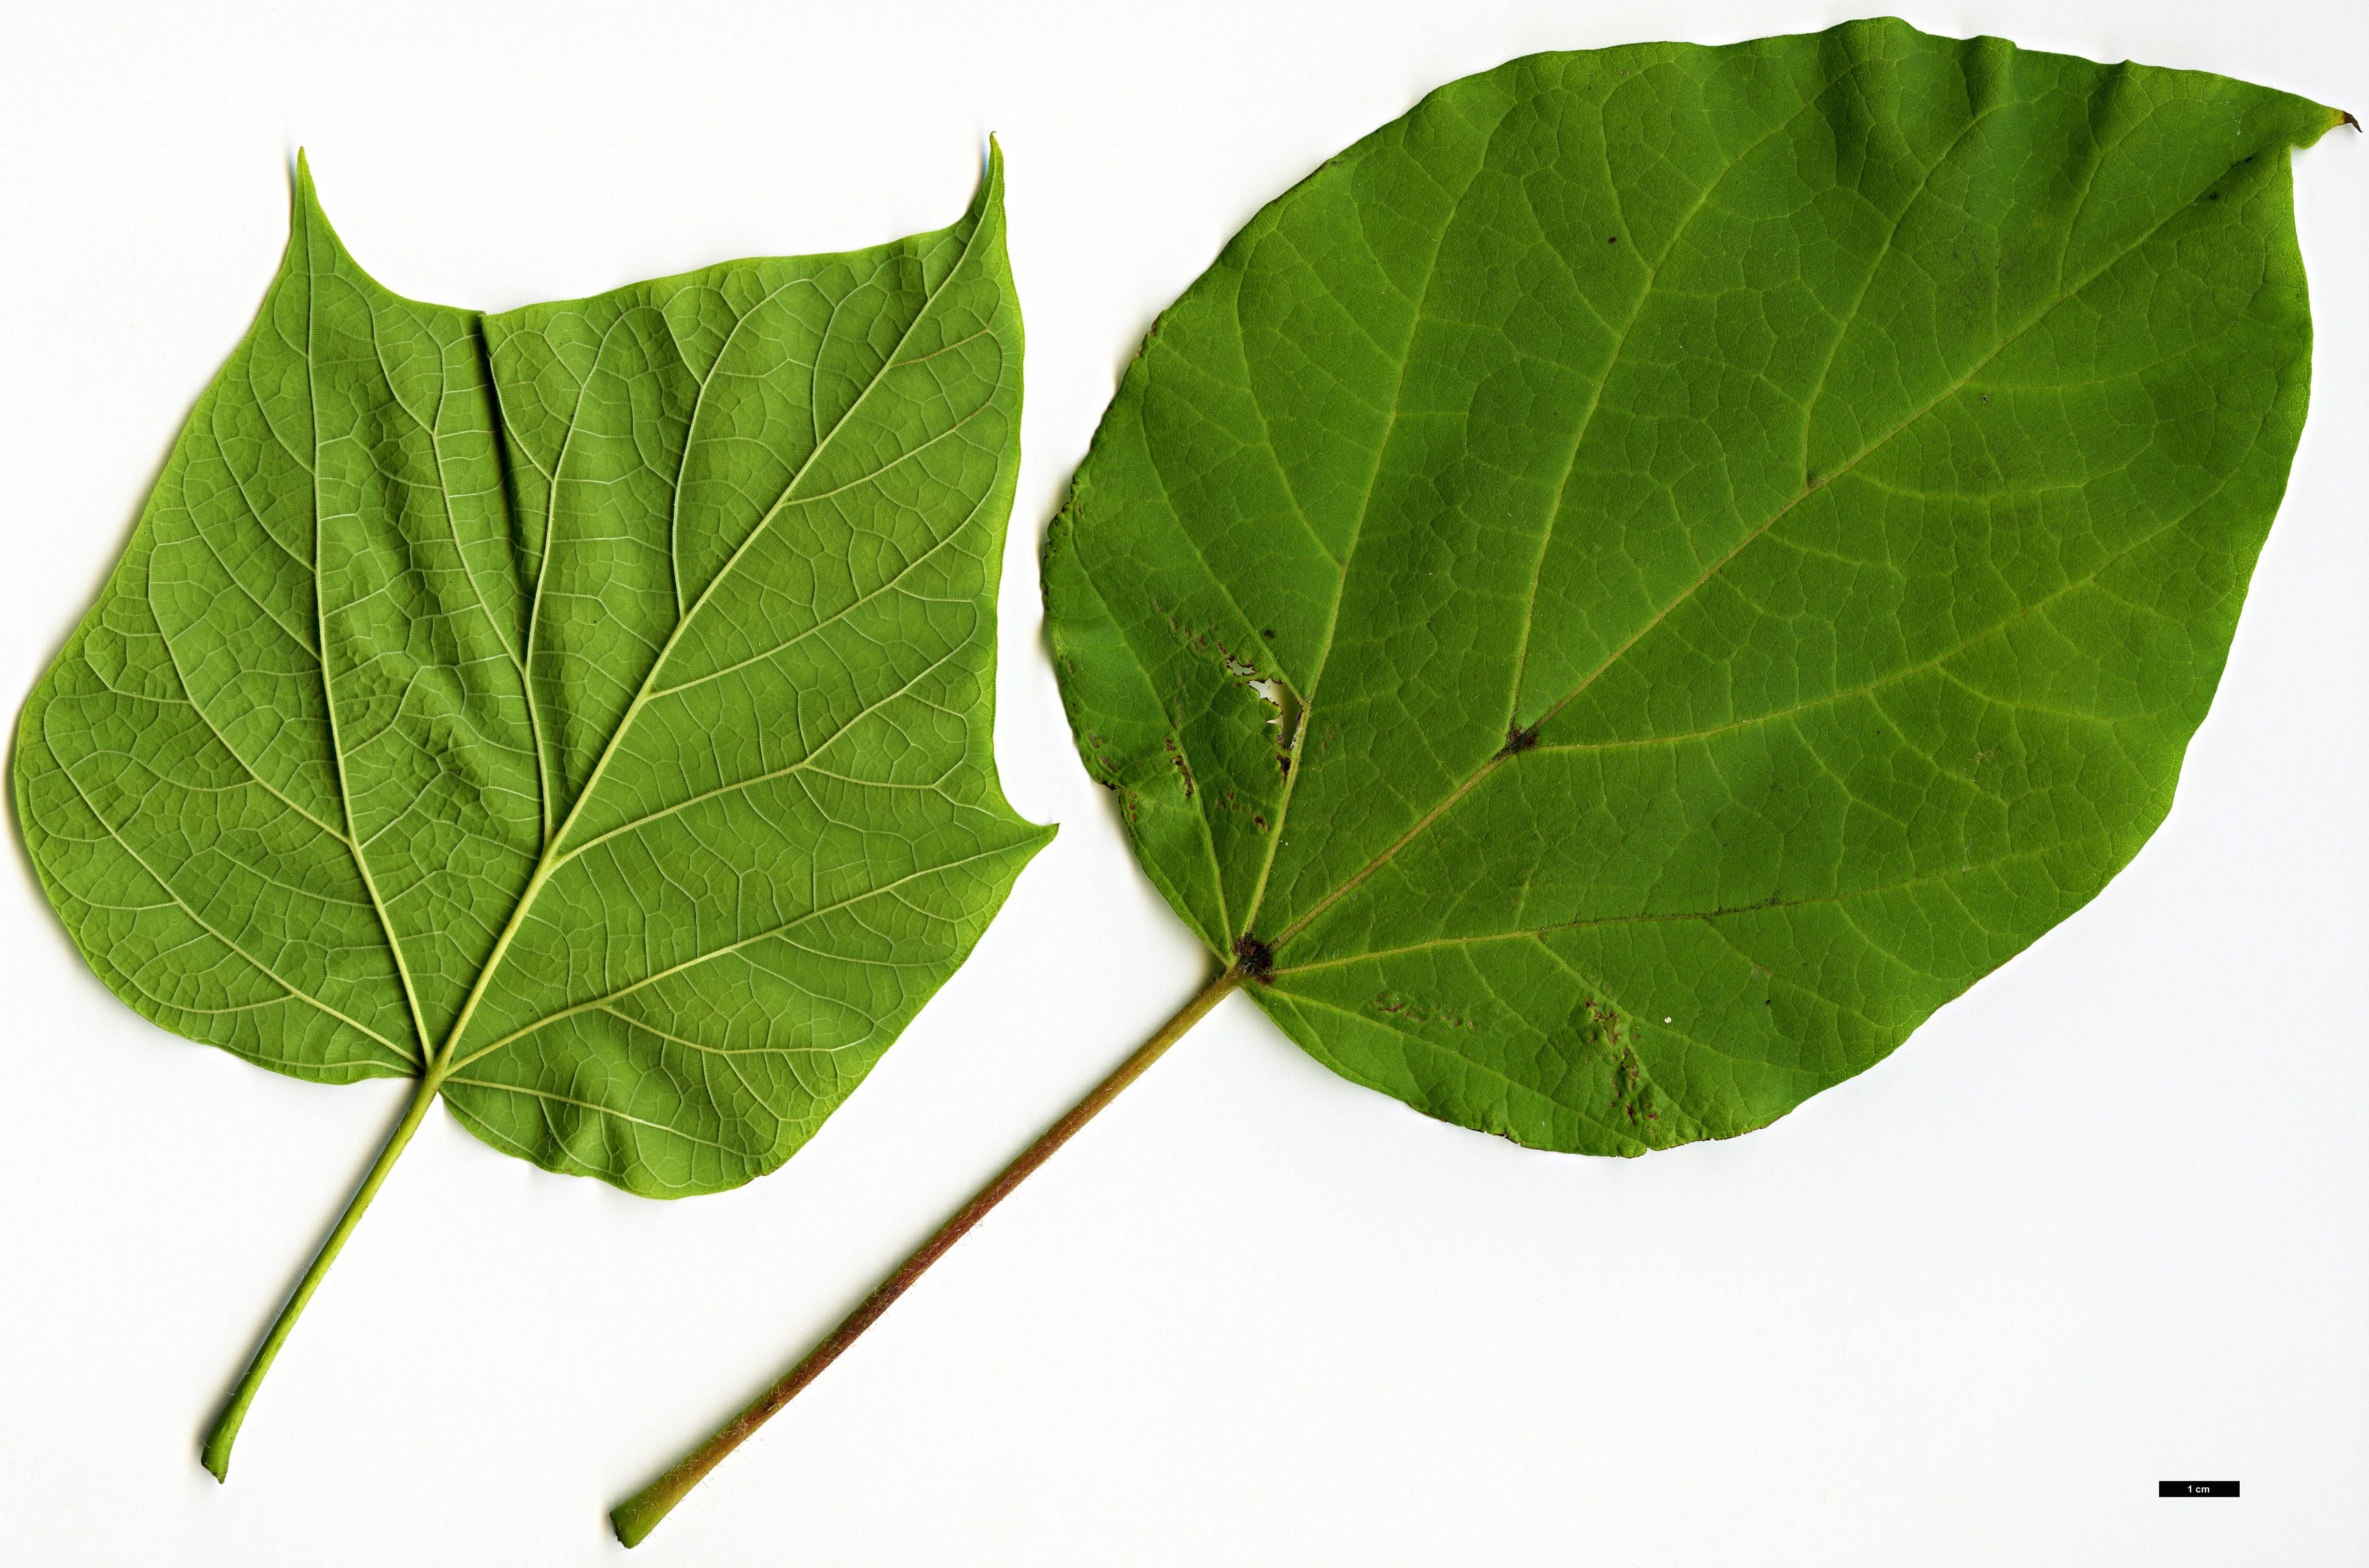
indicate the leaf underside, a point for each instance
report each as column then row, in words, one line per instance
column 589, row 703
column 1640, row 580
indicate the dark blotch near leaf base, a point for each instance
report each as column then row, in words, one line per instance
column 1255, row 958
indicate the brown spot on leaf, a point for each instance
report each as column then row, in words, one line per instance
column 1183, row 768
column 1255, row 958
column 1391, row 1004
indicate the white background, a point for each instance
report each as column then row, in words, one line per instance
column 2103, row 1221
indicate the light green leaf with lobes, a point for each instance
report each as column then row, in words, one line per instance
column 586, row 709
column 1637, row 581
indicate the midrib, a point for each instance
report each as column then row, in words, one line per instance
column 1423, row 823
column 443, row 1062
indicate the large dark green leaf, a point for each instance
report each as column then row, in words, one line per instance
column 586, row 709
column 1637, row 582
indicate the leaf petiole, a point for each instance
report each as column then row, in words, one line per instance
column 639, row 1514
column 224, row 1431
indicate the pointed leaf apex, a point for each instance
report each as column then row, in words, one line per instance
column 990, row 189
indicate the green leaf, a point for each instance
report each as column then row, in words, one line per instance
column 586, row 709
column 1635, row 583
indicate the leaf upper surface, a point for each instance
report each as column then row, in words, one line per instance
column 1641, row 579
column 591, row 704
